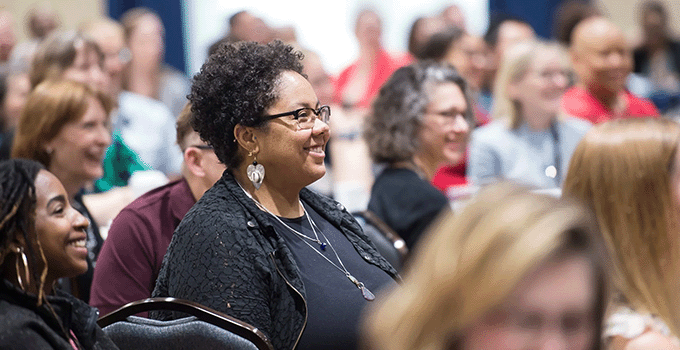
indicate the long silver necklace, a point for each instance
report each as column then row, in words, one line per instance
column 365, row 292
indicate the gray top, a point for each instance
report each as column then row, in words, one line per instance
column 523, row 155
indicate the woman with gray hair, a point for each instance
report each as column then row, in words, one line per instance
column 421, row 120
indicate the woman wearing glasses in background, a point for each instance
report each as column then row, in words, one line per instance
column 258, row 245
column 421, row 120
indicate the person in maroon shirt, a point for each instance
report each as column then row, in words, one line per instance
column 139, row 236
column 602, row 60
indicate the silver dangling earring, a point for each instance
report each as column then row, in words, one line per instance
column 24, row 260
column 255, row 173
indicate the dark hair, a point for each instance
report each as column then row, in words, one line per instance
column 568, row 15
column 392, row 127
column 235, row 86
column 497, row 20
column 654, row 6
column 17, row 210
column 440, row 43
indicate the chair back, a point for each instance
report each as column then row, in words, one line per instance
column 205, row 328
column 389, row 244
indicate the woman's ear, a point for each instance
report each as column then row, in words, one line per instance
column 245, row 137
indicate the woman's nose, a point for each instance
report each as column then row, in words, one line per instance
column 79, row 221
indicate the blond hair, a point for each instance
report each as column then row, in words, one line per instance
column 622, row 169
column 471, row 262
column 51, row 106
column 517, row 62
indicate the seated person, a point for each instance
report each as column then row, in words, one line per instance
column 131, row 257
column 600, row 93
column 421, row 120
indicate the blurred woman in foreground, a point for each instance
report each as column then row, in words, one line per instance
column 513, row 270
column 628, row 171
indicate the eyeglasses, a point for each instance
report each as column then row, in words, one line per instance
column 305, row 117
column 205, row 147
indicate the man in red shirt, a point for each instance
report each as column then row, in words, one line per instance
column 602, row 60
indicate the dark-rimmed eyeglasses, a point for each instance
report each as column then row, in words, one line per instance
column 305, row 117
column 205, row 147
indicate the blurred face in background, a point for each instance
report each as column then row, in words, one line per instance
column 540, row 90
column 444, row 131
column 111, row 41
column 469, row 56
column 146, row 42
column 7, row 37
column 18, row 89
column 369, row 29
column 87, row 68
column 319, row 78
column 553, row 308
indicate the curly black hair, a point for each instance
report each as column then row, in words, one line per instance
column 235, row 86
column 391, row 130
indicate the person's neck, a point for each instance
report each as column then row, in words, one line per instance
column 539, row 121
column 196, row 185
column 10, row 274
column 71, row 184
column 422, row 165
column 612, row 100
column 142, row 81
column 277, row 196
column 367, row 54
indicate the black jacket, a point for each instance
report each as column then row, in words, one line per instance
column 226, row 255
column 23, row 325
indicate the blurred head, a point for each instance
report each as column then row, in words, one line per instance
column 530, row 83
column 201, row 166
column 144, row 36
column 422, row 29
column 513, row 270
column 368, row 29
column 64, row 126
column 37, row 219
column 244, row 26
column 568, row 15
column 422, row 111
column 654, row 20
column 317, row 76
column 453, row 16
column 42, row 20
column 71, row 56
column 7, row 36
column 110, row 37
column 627, row 172
column 467, row 53
column 503, row 33
column 17, row 88
column 601, row 56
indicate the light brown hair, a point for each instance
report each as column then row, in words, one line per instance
column 470, row 262
column 50, row 106
column 183, row 126
column 622, row 169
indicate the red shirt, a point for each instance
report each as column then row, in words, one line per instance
column 383, row 67
column 580, row 103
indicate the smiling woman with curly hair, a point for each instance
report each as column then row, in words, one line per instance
column 258, row 245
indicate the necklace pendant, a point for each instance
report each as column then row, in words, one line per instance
column 323, row 246
column 366, row 293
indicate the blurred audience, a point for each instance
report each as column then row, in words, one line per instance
column 146, row 74
column 602, row 60
column 422, row 29
column 14, row 92
column 41, row 240
column 136, row 114
column 357, row 85
column 420, row 121
column 7, row 40
column 244, row 26
column 504, row 31
column 514, row 270
column 65, row 127
column 41, row 21
column 454, row 16
column 528, row 141
column 657, row 59
column 628, row 172
column 139, row 236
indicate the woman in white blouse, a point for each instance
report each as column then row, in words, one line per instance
column 527, row 141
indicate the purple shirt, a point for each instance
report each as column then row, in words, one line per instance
column 132, row 254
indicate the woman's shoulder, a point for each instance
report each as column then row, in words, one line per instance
column 575, row 125
column 494, row 132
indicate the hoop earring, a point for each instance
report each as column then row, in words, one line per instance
column 255, row 172
column 24, row 260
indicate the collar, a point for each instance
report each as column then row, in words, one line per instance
column 182, row 199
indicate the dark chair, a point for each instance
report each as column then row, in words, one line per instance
column 203, row 329
column 389, row 244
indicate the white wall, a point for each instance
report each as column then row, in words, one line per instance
column 323, row 26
